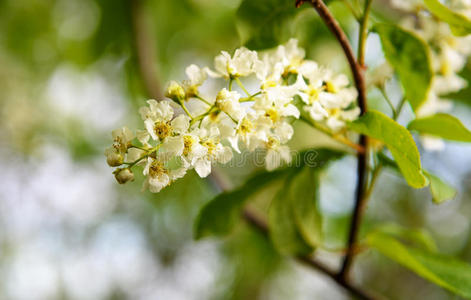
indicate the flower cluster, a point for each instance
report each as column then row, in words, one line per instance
column 449, row 56
column 209, row 129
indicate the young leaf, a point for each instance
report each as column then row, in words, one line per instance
column 409, row 56
column 304, row 198
column 447, row 272
column 283, row 230
column 220, row 215
column 459, row 24
column 398, row 140
column 442, row 125
column 441, row 191
column 417, row 237
column 263, row 22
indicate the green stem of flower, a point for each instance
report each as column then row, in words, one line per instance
column 201, row 117
column 239, row 83
column 234, row 120
column 249, row 98
column 137, row 147
column 203, row 100
column 399, row 107
column 374, row 178
column 186, row 110
column 364, row 32
column 149, row 152
column 388, row 100
column 336, row 137
column 230, row 83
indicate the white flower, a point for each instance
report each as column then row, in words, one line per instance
column 122, row 138
column 252, row 131
column 210, row 139
column 228, row 102
column 337, row 118
column 294, row 55
column 432, row 143
column 276, row 153
column 380, row 75
column 289, row 55
column 158, row 121
column 157, row 175
column 134, row 154
column 442, row 85
column 192, row 149
column 241, row 64
column 172, row 146
column 175, row 91
column 275, row 108
column 196, row 77
column 433, row 105
column 157, row 118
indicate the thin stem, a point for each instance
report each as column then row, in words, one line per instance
column 336, row 137
column 239, row 83
column 261, row 225
column 363, row 32
column 233, row 120
column 352, row 10
column 358, row 75
column 230, row 83
column 374, row 178
column 144, row 49
column 186, row 110
column 249, row 98
column 388, row 100
column 203, row 100
column 201, row 117
column 134, row 146
column 399, row 107
column 149, row 152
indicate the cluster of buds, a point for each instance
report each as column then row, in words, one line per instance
column 289, row 86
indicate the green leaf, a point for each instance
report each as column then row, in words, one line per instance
column 445, row 271
column 304, row 197
column 262, row 23
column 398, row 140
column 441, row 191
column 459, row 24
column 409, row 55
column 442, row 125
column 220, row 215
column 417, row 237
column 283, row 228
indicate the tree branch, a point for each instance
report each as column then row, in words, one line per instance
column 145, row 50
column 261, row 226
column 358, row 75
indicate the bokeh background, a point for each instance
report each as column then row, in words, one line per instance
column 73, row 70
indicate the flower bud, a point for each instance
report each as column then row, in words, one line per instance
column 114, row 159
column 175, row 92
column 123, row 175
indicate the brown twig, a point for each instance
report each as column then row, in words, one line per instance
column 145, row 50
column 358, row 75
column 260, row 224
